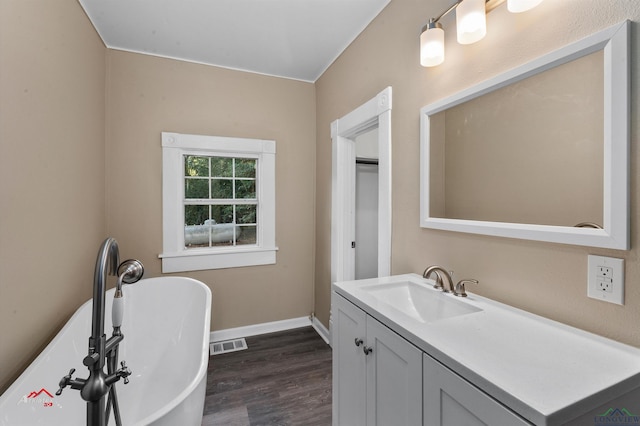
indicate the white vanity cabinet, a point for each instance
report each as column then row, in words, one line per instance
column 449, row 400
column 377, row 375
column 437, row 360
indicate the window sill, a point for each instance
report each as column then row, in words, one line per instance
column 199, row 260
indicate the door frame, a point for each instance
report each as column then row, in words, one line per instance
column 375, row 112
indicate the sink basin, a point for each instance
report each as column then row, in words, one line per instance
column 418, row 302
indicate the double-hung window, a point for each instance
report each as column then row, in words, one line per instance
column 218, row 202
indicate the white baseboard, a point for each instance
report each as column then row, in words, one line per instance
column 321, row 330
column 264, row 328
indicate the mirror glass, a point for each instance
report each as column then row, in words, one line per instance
column 531, row 153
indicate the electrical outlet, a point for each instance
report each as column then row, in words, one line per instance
column 604, row 271
column 605, row 285
column 606, row 279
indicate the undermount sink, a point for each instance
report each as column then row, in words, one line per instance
column 419, row 302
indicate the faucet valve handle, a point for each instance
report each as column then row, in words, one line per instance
column 65, row 381
column 460, row 290
column 124, row 372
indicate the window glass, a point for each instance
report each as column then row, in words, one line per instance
column 196, row 166
column 246, row 213
column 196, row 188
column 222, row 167
column 222, row 188
column 245, row 189
column 216, row 183
column 246, row 168
column 247, row 236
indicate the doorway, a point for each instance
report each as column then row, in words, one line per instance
column 361, row 191
column 366, row 205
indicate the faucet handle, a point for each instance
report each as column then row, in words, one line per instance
column 124, row 372
column 121, row 373
column 460, row 290
column 65, row 381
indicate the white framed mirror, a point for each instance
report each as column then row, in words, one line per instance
column 540, row 152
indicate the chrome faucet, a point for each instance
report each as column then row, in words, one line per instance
column 95, row 388
column 440, row 273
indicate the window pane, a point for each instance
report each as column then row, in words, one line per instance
column 221, row 167
column 196, row 188
column 196, row 232
column 245, row 168
column 222, row 214
column 246, row 214
column 222, row 188
column 195, row 215
column 222, row 234
column 247, row 235
column 245, row 189
column 196, row 166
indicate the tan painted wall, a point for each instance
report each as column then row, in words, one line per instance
column 148, row 95
column 52, row 78
column 547, row 279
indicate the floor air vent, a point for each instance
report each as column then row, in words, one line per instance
column 218, row 348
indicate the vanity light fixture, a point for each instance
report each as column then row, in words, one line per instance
column 471, row 21
column 471, row 24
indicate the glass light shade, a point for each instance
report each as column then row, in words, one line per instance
column 471, row 21
column 517, row 6
column 432, row 47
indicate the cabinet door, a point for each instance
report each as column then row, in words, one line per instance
column 394, row 378
column 349, row 368
column 450, row 400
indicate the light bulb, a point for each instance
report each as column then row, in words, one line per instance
column 432, row 45
column 471, row 21
column 517, row 6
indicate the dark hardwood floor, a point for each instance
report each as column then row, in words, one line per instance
column 281, row 379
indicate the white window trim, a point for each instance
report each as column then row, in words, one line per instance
column 175, row 257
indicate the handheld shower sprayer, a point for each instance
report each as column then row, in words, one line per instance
column 130, row 271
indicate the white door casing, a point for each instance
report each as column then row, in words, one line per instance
column 375, row 112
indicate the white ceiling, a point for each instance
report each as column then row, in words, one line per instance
column 295, row 39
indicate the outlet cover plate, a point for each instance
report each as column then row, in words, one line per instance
column 606, row 279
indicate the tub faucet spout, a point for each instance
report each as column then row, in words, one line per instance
column 95, row 388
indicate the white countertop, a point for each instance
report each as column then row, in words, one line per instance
column 541, row 369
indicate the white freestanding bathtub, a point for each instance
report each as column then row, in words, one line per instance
column 166, row 345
